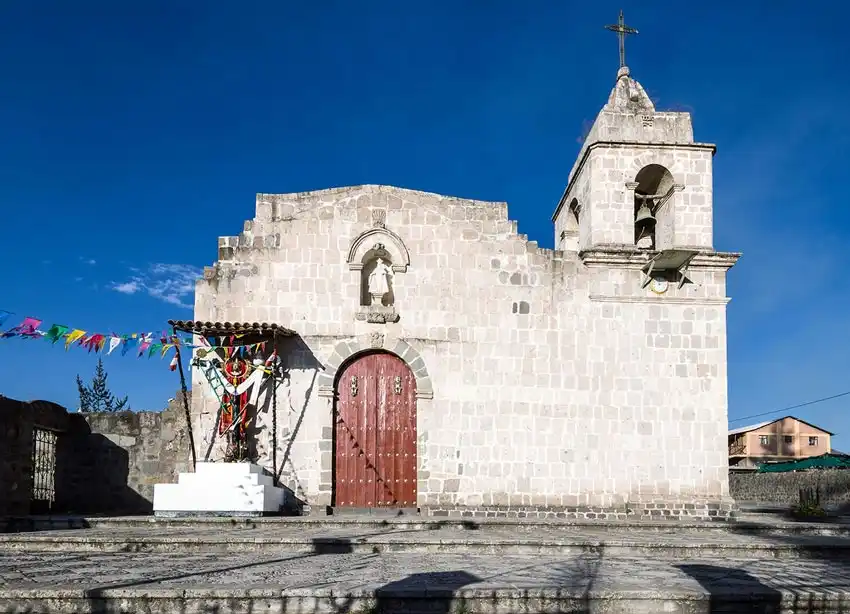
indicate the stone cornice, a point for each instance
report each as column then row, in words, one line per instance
column 675, row 300
column 614, row 144
column 631, row 258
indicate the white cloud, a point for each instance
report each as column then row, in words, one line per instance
column 90, row 261
column 128, row 287
column 171, row 283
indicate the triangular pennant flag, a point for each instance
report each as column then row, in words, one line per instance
column 4, row 315
column 129, row 342
column 114, row 342
column 154, row 349
column 55, row 333
column 165, row 349
column 93, row 342
column 27, row 328
column 73, row 336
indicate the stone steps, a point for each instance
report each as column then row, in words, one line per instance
column 271, row 600
column 674, row 543
column 615, row 548
column 750, row 524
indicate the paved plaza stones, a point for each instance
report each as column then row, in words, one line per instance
column 289, row 582
column 277, row 567
column 434, row 538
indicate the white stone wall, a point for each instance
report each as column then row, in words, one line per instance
column 600, row 185
column 553, row 381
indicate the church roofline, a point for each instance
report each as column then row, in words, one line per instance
column 371, row 187
column 575, row 173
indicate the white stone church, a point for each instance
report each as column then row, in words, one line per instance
column 443, row 362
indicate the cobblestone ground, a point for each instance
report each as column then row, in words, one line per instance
column 23, row 567
column 347, row 572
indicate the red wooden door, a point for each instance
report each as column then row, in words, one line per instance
column 375, row 433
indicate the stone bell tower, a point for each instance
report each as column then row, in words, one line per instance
column 640, row 180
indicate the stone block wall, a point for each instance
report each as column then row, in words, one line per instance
column 111, row 461
column 554, row 381
column 784, row 488
column 627, row 136
column 106, row 463
column 607, row 204
column 19, row 418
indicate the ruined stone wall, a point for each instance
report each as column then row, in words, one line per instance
column 16, row 447
column 106, row 463
column 784, row 488
column 544, row 380
column 111, row 461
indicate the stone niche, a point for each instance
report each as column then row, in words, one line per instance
column 377, row 255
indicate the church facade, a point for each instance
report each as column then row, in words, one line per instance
column 445, row 362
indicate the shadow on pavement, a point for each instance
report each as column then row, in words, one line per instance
column 734, row 590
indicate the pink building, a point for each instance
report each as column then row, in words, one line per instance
column 782, row 439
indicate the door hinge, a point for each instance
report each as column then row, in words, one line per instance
column 354, row 385
column 397, row 384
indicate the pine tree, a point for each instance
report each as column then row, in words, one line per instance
column 97, row 397
column 85, row 395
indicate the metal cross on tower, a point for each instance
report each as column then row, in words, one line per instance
column 622, row 29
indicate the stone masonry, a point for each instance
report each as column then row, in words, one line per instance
column 104, row 463
column 113, row 459
column 549, row 382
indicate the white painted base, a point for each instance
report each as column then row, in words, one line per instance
column 220, row 488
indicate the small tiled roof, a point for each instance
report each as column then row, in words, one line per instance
column 231, row 328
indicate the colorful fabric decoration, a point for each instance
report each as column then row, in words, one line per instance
column 145, row 343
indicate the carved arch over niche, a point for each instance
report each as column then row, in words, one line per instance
column 371, row 242
column 375, row 341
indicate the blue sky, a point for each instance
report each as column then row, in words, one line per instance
column 135, row 133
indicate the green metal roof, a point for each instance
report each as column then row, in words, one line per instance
column 825, row 461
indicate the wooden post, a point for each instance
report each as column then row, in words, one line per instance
column 185, row 401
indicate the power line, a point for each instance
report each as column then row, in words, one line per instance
column 776, row 411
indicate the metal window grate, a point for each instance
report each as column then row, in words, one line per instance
column 43, row 466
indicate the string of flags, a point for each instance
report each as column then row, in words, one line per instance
column 146, row 343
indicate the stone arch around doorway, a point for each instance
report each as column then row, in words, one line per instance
column 375, row 433
column 346, row 350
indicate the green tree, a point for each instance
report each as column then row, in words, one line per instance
column 97, row 397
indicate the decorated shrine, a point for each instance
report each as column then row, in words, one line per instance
column 239, row 362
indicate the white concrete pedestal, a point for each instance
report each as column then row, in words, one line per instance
column 225, row 489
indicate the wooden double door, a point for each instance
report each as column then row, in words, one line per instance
column 375, row 434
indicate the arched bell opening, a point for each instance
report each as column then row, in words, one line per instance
column 570, row 231
column 654, row 188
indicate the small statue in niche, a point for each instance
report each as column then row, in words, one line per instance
column 379, row 281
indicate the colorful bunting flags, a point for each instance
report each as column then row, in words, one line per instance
column 56, row 332
column 144, row 343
